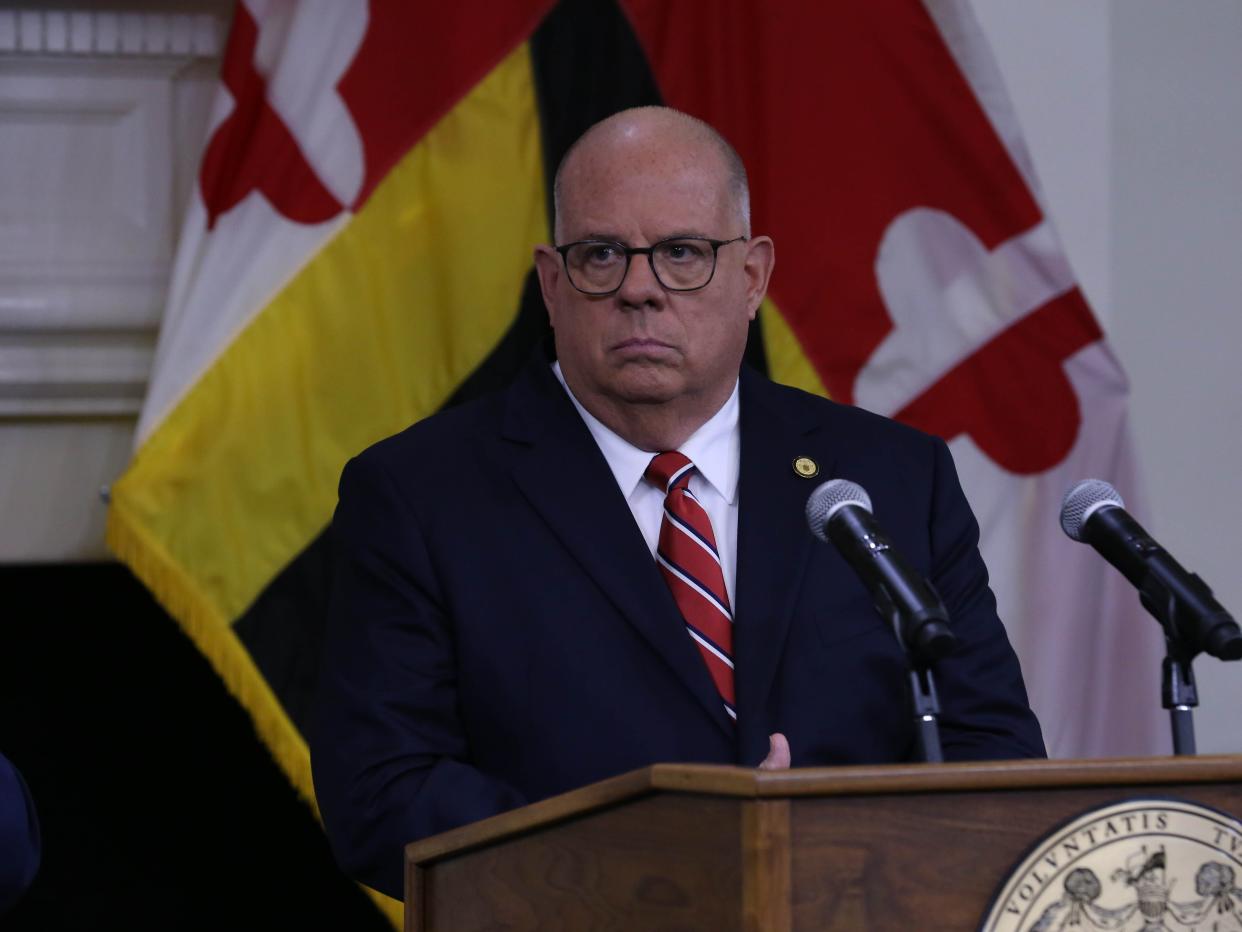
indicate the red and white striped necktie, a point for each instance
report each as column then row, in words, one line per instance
column 690, row 561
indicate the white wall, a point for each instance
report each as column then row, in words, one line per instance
column 1133, row 113
column 102, row 112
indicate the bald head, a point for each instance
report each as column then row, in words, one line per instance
column 643, row 133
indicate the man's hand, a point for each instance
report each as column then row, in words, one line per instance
column 778, row 753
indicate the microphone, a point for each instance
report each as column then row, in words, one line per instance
column 840, row 511
column 1095, row 514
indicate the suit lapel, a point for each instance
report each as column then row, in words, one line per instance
column 774, row 546
column 560, row 470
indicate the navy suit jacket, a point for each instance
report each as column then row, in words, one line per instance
column 20, row 844
column 498, row 632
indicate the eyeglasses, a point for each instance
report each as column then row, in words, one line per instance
column 683, row 263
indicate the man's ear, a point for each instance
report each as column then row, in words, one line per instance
column 760, row 258
column 548, row 268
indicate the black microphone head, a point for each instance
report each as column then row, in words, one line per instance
column 830, row 496
column 1082, row 501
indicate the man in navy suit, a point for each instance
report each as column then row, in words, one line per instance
column 501, row 629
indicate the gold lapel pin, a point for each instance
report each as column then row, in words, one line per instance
column 806, row 467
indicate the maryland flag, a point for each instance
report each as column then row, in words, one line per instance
column 358, row 256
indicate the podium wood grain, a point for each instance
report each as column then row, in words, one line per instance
column 722, row 848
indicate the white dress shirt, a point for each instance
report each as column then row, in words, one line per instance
column 715, row 449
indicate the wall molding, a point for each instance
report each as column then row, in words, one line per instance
column 110, row 33
column 80, row 375
column 101, row 115
column 47, row 297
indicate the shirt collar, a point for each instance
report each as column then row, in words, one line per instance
column 715, row 448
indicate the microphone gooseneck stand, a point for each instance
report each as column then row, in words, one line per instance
column 926, row 710
column 1185, row 637
column 1179, row 696
column 1177, row 676
column 924, row 701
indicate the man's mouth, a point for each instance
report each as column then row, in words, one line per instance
column 639, row 344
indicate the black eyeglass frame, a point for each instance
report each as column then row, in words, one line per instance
column 649, row 252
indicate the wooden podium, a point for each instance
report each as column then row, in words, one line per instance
column 721, row 848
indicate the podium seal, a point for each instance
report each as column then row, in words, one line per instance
column 1144, row 865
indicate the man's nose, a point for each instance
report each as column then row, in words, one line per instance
column 640, row 287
